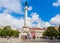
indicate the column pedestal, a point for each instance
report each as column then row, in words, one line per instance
column 24, row 33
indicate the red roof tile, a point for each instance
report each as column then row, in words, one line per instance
column 35, row 29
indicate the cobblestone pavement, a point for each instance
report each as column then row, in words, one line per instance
column 16, row 40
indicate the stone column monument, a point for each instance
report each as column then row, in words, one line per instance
column 25, row 28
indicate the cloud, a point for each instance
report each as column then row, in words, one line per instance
column 47, row 24
column 37, row 22
column 11, row 5
column 7, row 7
column 56, row 3
column 7, row 19
column 33, row 21
column 55, row 20
column 30, row 8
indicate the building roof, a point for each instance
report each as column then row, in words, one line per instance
column 32, row 29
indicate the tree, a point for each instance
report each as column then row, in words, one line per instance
column 59, row 28
column 0, row 31
column 59, row 32
column 50, row 32
column 15, row 33
column 7, row 31
column 7, row 28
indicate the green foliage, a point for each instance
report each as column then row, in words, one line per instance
column 7, row 31
column 15, row 33
column 50, row 32
column 59, row 31
column 0, row 31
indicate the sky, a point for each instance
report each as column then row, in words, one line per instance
column 41, row 13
